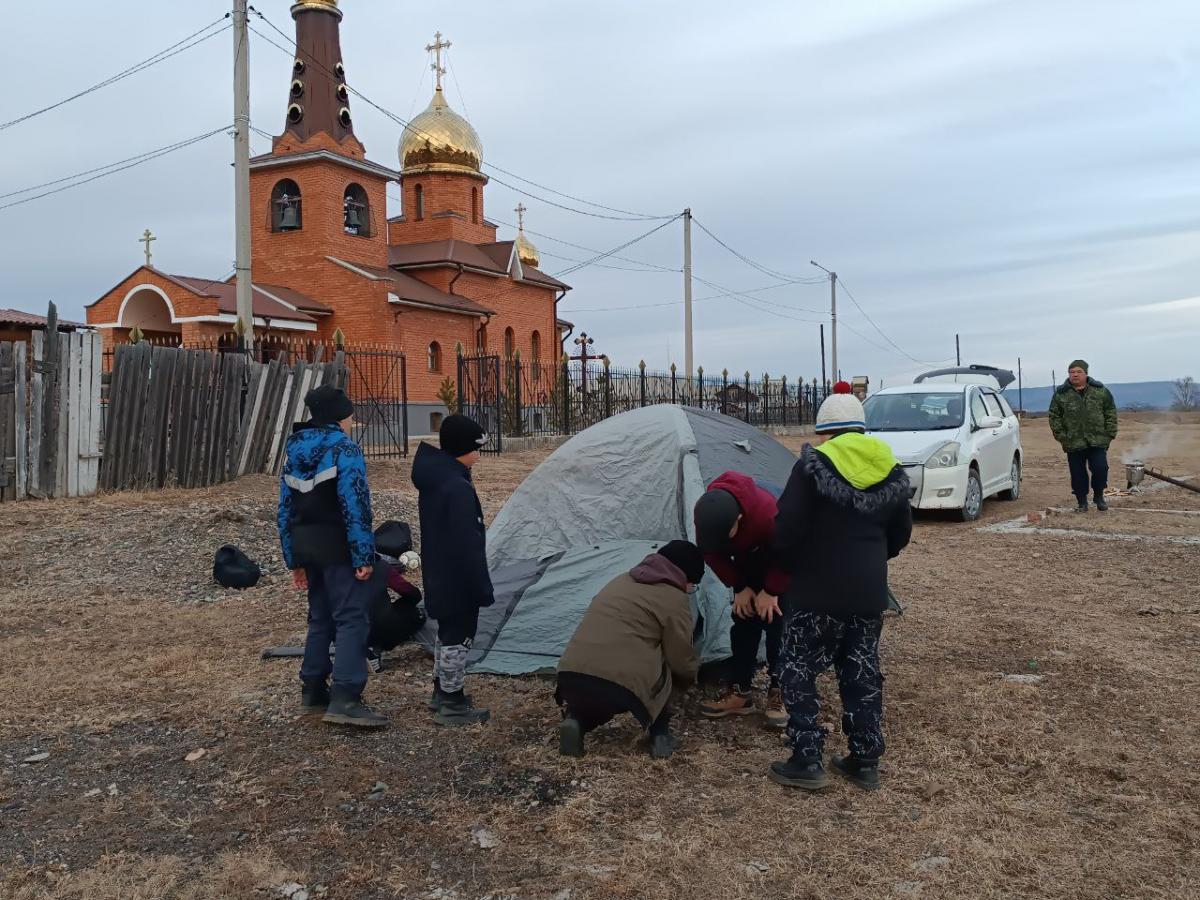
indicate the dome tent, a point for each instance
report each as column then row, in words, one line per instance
column 595, row 508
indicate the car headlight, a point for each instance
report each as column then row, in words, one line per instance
column 944, row 457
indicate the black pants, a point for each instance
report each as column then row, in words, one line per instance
column 593, row 702
column 1094, row 458
column 814, row 642
column 337, row 614
column 744, row 639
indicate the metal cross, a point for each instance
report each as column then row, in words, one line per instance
column 147, row 239
column 520, row 211
column 437, row 47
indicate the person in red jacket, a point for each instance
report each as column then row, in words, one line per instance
column 735, row 527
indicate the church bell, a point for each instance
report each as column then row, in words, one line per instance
column 353, row 219
column 289, row 219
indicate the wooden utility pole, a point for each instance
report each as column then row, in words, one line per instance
column 687, row 292
column 824, row 380
column 241, row 170
column 1020, row 388
column 833, row 360
column 957, row 352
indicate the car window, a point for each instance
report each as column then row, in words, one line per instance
column 932, row 411
column 1005, row 405
column 978, row 410
column 993, row 405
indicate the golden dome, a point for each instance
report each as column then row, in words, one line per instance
column 326, row 5
column 526, row 252
column 440, row 140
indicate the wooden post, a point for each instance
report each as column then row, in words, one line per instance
column 48, row 445
column 21, row 420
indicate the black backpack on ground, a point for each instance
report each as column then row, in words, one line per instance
column 394, row 620
column 234, row 569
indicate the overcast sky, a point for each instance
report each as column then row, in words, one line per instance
column 1023, row 172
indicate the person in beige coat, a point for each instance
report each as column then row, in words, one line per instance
column 633, row 647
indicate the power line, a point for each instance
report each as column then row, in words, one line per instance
column 882, row 333
column 783, row 276
column 655, row 271
column 787, row 306
column 162, row 55
column 625, row 215
column 571, row 269
column 724, row 295
column 111, row 169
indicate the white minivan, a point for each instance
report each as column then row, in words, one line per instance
column 956, row 436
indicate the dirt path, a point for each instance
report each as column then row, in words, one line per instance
column 121, row 659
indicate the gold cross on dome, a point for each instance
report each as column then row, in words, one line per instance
column 436, row 48
column 147, row 239
column 520, row 211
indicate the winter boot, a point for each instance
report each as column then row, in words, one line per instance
column 1081, row 506
column 800, row 772
column 735, row 703
column 776, row 715
column 457, row 709
column 438, row 696
column 350, row 710
column 863, row 772
column 662, row 745
column 314, row 697
column 570, row 737
column 1101, row 503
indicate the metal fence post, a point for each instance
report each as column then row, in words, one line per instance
column 747, row 395
column 404, row 402
column 566, row 396
column 459, row 379
column 607, row 387
column 517, row 394
column 724, row 392
column 700, row 387
column 784, row 393
column 766, row 400
column 642, row 380
column 673, row 397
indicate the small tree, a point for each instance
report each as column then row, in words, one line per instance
column 447, row 393
column 1187, row 396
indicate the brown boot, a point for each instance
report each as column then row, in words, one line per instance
column 734, row 703
column 775, row 713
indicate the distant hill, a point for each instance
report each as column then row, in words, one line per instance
column 1136, row 395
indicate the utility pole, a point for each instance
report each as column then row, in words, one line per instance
column 957, row 352
column 824, row 380
column 1020, row 388
column 833, row 360
column 687, row 292
column 241, row 170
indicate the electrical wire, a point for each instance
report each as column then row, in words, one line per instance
column 163, row 55
column 783, row 276
column 724, row 295
column 104, row 171
column 883, row 334
column 461, row 99
column 625, row 215
column 575, row 268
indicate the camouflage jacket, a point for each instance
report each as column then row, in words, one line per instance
column 1081, row 420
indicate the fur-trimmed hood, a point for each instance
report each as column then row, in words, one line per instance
column 832, row 485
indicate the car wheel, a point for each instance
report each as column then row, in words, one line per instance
column 1014, row 492
column 973, row 502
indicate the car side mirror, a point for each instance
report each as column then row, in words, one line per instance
column 989, row 422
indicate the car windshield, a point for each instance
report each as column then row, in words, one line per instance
column 914, row 412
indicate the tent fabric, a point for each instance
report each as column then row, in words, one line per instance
column 595, row 508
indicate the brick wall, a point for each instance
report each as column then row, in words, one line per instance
column 448, row 210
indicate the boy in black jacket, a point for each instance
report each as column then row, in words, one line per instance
column 845, row 512
column 454, row 561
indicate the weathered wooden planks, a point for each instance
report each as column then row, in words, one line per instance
column 8, row 422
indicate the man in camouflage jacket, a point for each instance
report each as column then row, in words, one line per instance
column 1083, row 418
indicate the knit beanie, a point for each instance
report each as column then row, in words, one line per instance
column 460, row 435
column 1079, row 364
column 715, row 513
column 841, row 411
column 686, row 557
column 328, row 405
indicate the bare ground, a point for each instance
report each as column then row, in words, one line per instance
column 121, row 659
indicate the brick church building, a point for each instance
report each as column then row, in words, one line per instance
column 326, row 258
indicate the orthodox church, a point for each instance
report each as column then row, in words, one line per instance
column 325, row 256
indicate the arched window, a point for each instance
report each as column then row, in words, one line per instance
column 356, row 211
column 286, row 213
column 419, row 202
column 535, row 350
column 475, row 205
column 510, row 343
column 481, row 339
column 435, row 357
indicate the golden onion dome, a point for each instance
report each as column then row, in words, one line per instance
column 330, row 6
column 440, row 140
column 526, row 252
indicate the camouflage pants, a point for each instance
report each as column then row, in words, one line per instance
column 813, row 642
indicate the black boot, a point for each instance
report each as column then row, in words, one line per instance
column 457, row 709
column 803, row 772
column 570, row 738
column 1082, row 505
column 863, row 772
column 662, row 745
column 1101, row 503
column 350, row 710
column 438, row 697
column 314, row 697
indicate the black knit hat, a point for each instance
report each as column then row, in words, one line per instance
column 328, row 405
column 686, row 557
column 460, row 435
column 715, row 513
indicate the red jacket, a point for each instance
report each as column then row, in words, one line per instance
column 751, row 561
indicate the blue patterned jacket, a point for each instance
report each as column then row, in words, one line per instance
column 324, row 502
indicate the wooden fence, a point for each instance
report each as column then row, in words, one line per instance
column 50, row 414
column 194, row 418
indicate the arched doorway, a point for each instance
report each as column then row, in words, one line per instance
column 149, row 309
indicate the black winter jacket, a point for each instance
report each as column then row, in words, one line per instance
column 453, row 539
column 837, row 539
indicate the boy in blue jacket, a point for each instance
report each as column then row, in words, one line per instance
column 454, row 561
column 325, row 530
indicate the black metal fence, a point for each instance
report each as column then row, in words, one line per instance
column 531, row 398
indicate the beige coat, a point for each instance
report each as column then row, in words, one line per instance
column 637, row 633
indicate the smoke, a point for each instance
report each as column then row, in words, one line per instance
column 1156, row 443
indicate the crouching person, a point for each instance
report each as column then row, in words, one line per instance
column 325, row 530
column 633, row 646
column 844, row 514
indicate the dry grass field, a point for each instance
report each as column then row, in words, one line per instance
column 120, row 660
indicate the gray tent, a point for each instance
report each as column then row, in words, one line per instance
column 593, row 509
